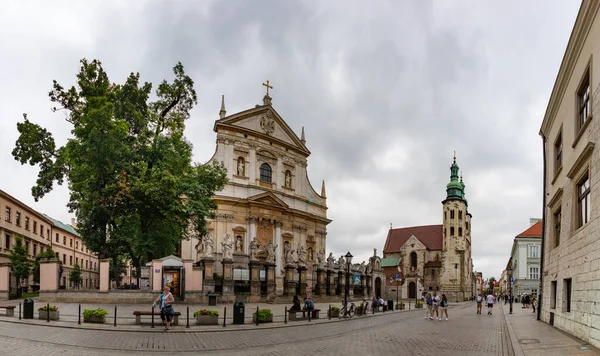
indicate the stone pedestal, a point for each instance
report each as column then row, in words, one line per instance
column 254, row 278
column 330, row 282
column 227, row 277
column 341, row 283
column 320, row 288
column 270, row 266
column 209, row 269
column 290, row 284
column 302, row 280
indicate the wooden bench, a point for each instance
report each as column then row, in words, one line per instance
column 294, row 314
column 10, row 310
column 138, row 316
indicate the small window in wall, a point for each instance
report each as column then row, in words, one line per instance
column 64, row 240
column 70, row 260
column 584, row 200
column 460, row 231
column 451, row 230
column 7, row 242
column 64, row 259
column 445, row 215
column 265, row 173
column 451, row 214
column 27, row 223
column 567, row 284
column 413, row 259
column 460, row 214
column 71, row 242
column 583, row 95
column 467, row 226
column 57, row 237
column 18, row 218
column 553, row 285
column 558, row 147
column 41, row 230
column 35, row 227
column 7, row 214
column 34, row 250
column 445, row 231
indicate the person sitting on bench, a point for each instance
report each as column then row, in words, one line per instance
column 309, row 305
column 295, row 303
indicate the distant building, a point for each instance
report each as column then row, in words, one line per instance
column 525, row 260
column 571, row 132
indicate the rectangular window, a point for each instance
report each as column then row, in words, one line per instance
column 467, row 226
column 584, row 200
column 27, row 247
column 583, row 95
column 445, row 215
column 71, row 242
column 41, row 230
column 553, row 295
column 558, row 153
column 557, row 218
column 27, row 223
column 7, row 214
column 48, row 236
column 57, row 237
column 534, row 251
column 460, row 215
column 76, row 260
column 18, row 218
column 567, row 284
column 86, row 264
column 70, row 260
column 34, row 250
column 77, row 244
column 57, row 256
column 35, row 227
column 7, row 242
column 451, row 214
column 64, row 259
column 534, row 273
column 64, row 240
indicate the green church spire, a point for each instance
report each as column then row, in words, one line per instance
column 455, row 189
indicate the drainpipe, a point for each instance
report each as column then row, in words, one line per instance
column 541, row 287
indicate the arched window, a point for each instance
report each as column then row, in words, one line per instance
column 413, row 259
column 265, row 172
column 452, row 231
column 460, row 231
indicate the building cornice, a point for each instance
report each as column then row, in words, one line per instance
column 583, row 23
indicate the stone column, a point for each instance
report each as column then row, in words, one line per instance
column 251, row 233
column 279, row 247
column 290, row 284
column 320, row 288
column 302, row 279
column 4, row 280
column 105, row 273
column 209, row 283
column 227, row 277
column 254, row 279
column 270, row 279
column 341, row 282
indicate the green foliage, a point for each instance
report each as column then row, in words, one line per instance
column 399, row 305
column 335, row 309
column 46, row 308
column 47, row 254
column 75, row 275
column 206, row 312
column 263, row 314
column 21, row 267
column 88, row 313
column 419, row 303
column 128, row 165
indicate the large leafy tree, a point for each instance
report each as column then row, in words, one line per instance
column 19, row 259
column 129, row 168
column 75, row 275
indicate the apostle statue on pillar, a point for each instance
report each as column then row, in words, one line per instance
column 363, row 268
column 301, row 254
column 227, row 246
column 271, row 251
column 342, row 263
column 253, row 249
column 208, row 246
column 330, row 261
column 288, row 253
column 321, row 258
column 369, row 267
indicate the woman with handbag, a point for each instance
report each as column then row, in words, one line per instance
column 165, row 301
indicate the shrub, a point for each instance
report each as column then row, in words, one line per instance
column 399, row 304
column 419, row 303
column 46, row 308
column 335, row 309
column 263, row 314
column 206, row 312
column 100, row 313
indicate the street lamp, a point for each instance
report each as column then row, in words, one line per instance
column 348, row 263
column 397, row 288
column 509, row 271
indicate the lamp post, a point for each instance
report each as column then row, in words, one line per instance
column 347, row 291
column 397, row 287
column 509, row 270
column 416, row 288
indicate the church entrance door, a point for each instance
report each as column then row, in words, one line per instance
column 412, row 290
column 378, row 287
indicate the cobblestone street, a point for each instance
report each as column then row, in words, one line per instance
column 398, row 333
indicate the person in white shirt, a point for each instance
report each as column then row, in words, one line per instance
column 490, row 303
column 479, row 302
column 435, row 302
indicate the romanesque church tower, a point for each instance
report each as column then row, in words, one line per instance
column 456, row 251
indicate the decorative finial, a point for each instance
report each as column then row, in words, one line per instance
column 267, row 98
column 455, row 156
column 222, row 112
column 390, row 226
column 25, row 116
column 461, row 175
column 323, row 194
column 302, row 137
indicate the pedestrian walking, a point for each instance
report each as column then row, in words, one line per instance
column 479, row 302
column 444, row 306
column 533, row 301
column 435, row 302
column 165, row 301
column 428, row 302
column 490, row 303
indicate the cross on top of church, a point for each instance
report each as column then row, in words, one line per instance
column 268, row 86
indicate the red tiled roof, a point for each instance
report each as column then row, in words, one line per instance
column 534, row 231
column 429, row 235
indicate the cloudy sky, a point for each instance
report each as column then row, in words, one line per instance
column 386, row 91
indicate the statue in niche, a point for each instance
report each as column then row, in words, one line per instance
column 288, row 253
column 241, row 167
column 271, row 251
column 321, row 258
column 288, row 179
column 227, row 246
column 311, row 254
column 253, row 249
column 301, row 254
column 239, row 244
column 330, row 261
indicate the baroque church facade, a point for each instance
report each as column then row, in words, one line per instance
column 434, row 257
column 268, row 217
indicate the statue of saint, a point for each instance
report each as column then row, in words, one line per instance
column 320, row 258
column 330, row 261
column 253, row 249
column 288, row 253
column 301, row 254
column 342, row 263
column 363, row 268
column 288, row 179
column 369, row 268
column 208, row 245
column 227, row 246
column 239, row 246
column 311, row 254
column 271, row 251
column 240, row 167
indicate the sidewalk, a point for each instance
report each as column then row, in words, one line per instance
column 530, row 337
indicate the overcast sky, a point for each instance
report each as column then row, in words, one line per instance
column 386, row 92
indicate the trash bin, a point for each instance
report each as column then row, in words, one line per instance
column 212, row 299
column 28, row 308
column 238, row 312
column 390, row 305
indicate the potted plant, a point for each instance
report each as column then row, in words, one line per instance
column 94, row 315
column 335, row 312
column 419, row 304
column 206, row 317
column 48, row 311
column 264, row 316
column 400, row 306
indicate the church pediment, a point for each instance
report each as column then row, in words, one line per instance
column 268, row 198
column 264, row 121
column 413, row 243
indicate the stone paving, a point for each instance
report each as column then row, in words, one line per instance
column 398, row 333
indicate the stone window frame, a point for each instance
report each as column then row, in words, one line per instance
column 558, row 153
column 460, row 232
column 35, row 227
column 580, row 197
column 452, row 214
column 26, row 222
column 263, row 167
column 567, row 295
column 451, row 230
column 585, row 85
column 7, row 214
column 18, row 218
